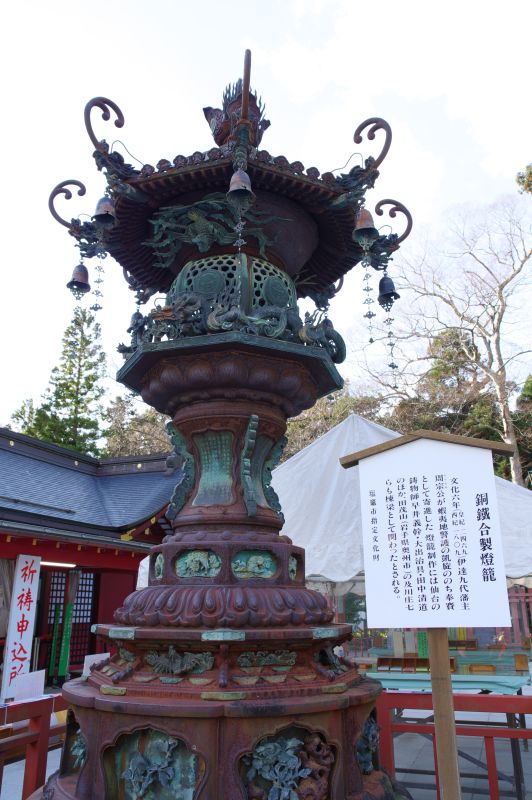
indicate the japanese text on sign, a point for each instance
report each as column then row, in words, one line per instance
column 432, row 549
column 18, row 646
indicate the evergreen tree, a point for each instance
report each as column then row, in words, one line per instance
column 70, row 413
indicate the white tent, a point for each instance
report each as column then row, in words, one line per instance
column 321, row 505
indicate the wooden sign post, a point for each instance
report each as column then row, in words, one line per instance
column 433, row 554
column 442, row 702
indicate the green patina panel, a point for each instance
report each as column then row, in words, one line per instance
column 245, row 465
column 263, row 445
column 184, row 487
column 198, row 564
column 269, row 492
column 223, row 636
column 216, row 480
column 253, row 564
column 151, row 765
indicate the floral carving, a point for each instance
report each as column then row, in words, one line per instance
column 290, row 768
column 174, row 663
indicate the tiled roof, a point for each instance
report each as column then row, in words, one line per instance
column 59, row 484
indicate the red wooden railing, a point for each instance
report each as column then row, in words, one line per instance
column 34, row 739
column 512, row 706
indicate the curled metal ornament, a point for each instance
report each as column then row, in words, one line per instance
column 104, row 105
column 61, row 188
column 395, row 207
column 377, row 124
column 338, row 285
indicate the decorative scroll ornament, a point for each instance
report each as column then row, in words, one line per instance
column 396, row 206
column 89, row 237
column 377, row 124
column 61, row 188
column 184, row 487
column 104, row 104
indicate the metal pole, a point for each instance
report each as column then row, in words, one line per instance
column 245, row 85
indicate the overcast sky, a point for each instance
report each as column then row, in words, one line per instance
column 452, row 79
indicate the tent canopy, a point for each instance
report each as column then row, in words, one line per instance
column 321, row 504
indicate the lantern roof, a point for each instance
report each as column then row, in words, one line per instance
column 302, row 220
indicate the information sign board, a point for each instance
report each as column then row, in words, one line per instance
column 432, row 546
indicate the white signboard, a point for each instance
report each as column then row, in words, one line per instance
column 19, row 639
column 28, row 686
column 432, row 545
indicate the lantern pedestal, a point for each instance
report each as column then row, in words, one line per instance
column 224, row 671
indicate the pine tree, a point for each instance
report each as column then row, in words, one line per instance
column 69, row 414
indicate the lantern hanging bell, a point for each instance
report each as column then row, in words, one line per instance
column 365, row 232
column 240, row 194
column 105, row 214
column 79, row 283
column 387, row 293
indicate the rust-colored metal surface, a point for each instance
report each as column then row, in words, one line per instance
column 224, row 681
